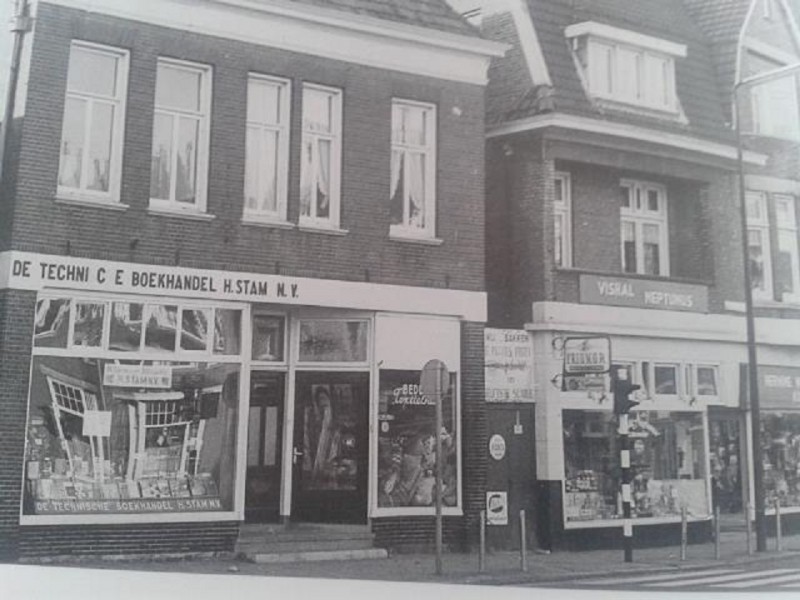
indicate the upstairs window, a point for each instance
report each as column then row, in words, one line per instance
column 321, row 148
column 413, row 172
column 267, row 148
column 787, row 268
column 91, row 134
column 562, row 215
column 775, row 107
column 179, row 162
column 644, row 233
column 623, row 66
column 758, row 245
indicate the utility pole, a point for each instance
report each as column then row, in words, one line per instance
column 623, row 388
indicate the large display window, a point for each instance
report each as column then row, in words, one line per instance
column 668, row 463
column 133, row 408
column 780, row 445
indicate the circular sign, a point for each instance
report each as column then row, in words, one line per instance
column 497, row 446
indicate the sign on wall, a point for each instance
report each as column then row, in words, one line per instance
column 643, row 293
column 508, row 366
column 779, row 387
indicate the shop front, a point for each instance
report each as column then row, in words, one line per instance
column 190, row 408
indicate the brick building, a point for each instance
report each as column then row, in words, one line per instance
column 232, row 235
column 612, row 211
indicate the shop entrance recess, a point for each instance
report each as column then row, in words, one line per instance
column 724, row 425
column 331, row 447
column 512, row 469
column 264, row 443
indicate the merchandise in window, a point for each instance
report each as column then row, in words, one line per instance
column 562, row 210
column 180, row 136
column 643, row 235
column 268, row 336
column 329, row 340
column 320, row 156
column 758, row 245
column 780, row 445
column 413, row 170
column 267, row 148
column 91, row 136
column 667, row 463
column 407, row 443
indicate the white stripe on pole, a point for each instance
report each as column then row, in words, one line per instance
column 626, row 492
column 625, row 458
column 627, row 528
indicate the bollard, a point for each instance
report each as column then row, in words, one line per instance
column 748, row 528
column 684, row 533
column 717, row 552
column 778, row 528
column 482, row 549
column 523, row 543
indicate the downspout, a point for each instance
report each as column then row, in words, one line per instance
column 20, row 24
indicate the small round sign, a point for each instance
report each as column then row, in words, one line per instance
column 497, row 446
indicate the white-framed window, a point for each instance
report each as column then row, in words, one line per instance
column 787, row 267
column 90, row 164
column 267, row 148
column 643, row 228
column 631, row 75
column 665, row 379
column 413, row 186
column 179, row 161
column 758, row 245
column 775, row 107
column 706, row 381
column 562, row 215
column 321, row 148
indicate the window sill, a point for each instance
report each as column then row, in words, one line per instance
column 268, row 223
column 89, row 202
column 335, row 231
column 180, row 214
column 408, row 239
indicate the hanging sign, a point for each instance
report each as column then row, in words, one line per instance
column 587, row 362
column 497, row 508
column 137, row 376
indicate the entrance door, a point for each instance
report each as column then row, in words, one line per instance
column 331, row 440
column 725, row 458
column 264, row 443
column 512, row 471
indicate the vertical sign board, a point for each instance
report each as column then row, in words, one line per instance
column 587, row 364
column 508, row 366
column 497, row 508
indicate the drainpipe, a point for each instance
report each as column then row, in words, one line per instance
column 20, row 24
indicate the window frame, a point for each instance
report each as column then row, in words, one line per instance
column 203, row 116
column 283, row 130
column 562, row 209
column 761, row 225
column 609, row 51
column 765, row 121
column 82, row 193
column 789, row 229
column 335, row 176
column 429, row 150
column 639, row 216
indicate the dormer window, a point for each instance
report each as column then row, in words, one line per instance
column 625, row 67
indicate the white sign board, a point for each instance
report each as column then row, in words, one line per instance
column 97, row 423
column 497, row 508
column 138, row 376
column 587, row 355
column 508, row 365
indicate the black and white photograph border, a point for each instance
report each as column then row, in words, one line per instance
column 326, row 295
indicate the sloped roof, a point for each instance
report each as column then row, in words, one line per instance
column 433, row 14
column 666, row 19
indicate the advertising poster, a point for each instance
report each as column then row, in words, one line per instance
column 407, row 443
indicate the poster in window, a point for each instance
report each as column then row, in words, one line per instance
column 407, row 442
column 94, row 448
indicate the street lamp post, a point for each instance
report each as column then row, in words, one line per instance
column 752, row 354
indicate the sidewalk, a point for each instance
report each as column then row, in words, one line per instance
column 502, row 568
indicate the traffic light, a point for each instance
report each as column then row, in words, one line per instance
column 622, row 392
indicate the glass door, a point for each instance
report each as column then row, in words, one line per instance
column 264, row 443
column 331, row 439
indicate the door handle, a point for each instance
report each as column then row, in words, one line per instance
column 295, row 454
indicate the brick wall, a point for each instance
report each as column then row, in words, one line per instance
column 224, row 243
column 16, row 325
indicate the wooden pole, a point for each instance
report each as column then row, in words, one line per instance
column 717, row 552
column 482, row 548
column 523, row 542
column 684, row 533
column 778, row 526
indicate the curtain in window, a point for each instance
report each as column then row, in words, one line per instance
column 307, row 177
column 323, row 178
column 416, row 196
column 396, row 198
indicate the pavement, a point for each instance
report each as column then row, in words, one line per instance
column 502, row 568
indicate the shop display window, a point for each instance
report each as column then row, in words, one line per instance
column 780, row 440
column 407, row 442
column 52, row 323
column 667, row 462
column 160, row 328
column 126, row 326
column 88, row 326
column 329, row 340
column 227, row 331
column 194, row 329
column 726, row 483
